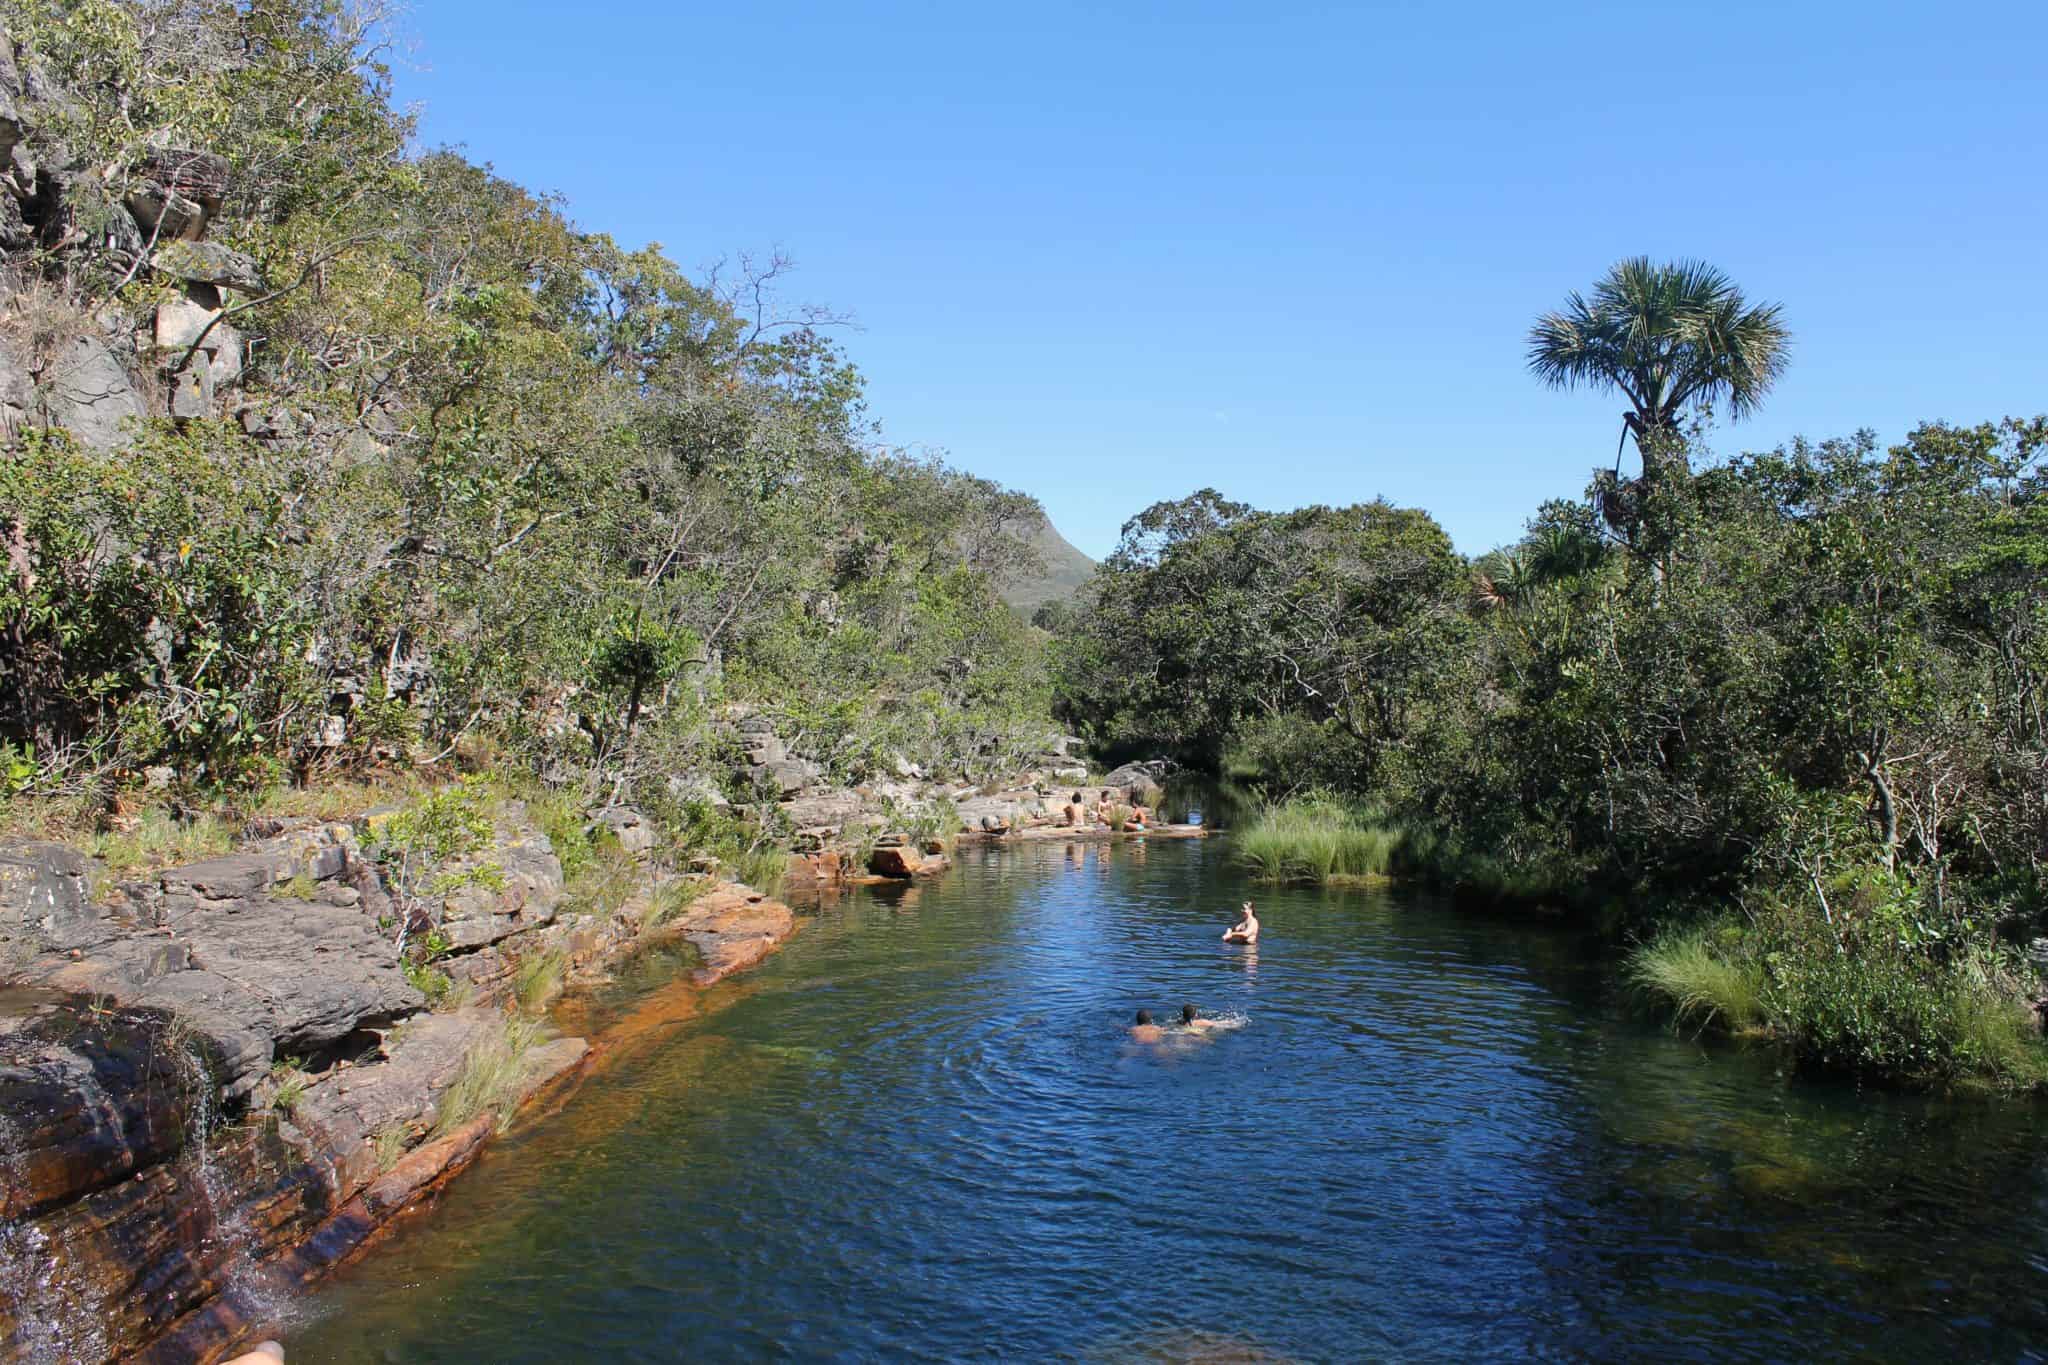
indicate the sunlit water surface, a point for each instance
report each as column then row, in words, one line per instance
column 920, row 1132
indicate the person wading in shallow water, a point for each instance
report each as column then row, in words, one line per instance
column 1145, row 1031
column 1245, row 930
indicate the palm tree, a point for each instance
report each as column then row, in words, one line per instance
column 1666, row 336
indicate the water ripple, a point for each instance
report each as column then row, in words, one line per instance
column 928, row 1136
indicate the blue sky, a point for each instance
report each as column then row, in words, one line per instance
column 1111, row 254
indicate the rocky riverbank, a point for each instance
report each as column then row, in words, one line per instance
column 219, row 1079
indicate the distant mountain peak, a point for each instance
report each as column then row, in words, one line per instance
column 1065, row 570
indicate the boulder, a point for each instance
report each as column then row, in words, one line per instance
column 209, row 263
column 895, row 861
column 994, row 814
column 182, row 322
column 192, row 392
column 764, row 749
column 1141, row 781
column 788, row 777
column 177, row 193
column 830, row 811
column 88, row 393
column 635, row 835
column 528, row 887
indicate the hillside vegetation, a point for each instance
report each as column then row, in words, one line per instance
column 323, row 455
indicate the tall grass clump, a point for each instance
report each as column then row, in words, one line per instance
column 670, row 899
column 490, row 1076
column 763, row 869
column 1316, row 839
column 536, row 978
column 161, row 839
column 1696, row 974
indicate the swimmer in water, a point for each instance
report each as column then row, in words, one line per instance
column 1145, row 1031
column 1192, row 1020
column 1245, row 930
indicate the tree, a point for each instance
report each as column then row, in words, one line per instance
column 1667, row 337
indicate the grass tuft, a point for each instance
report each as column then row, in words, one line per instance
column 160, row 839
column 1699, row 982
column 537, row 977
column 490, row 1076
column 670, row 899
column 763, row 869
column 1316, row 840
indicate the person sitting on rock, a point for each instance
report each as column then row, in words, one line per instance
column 1145, row 1031
column 1074, row 813
column 1138, row 817
column 1245, row 930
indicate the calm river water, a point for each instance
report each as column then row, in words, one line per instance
column 920, row 1133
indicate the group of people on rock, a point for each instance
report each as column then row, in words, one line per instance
column 1080, row 812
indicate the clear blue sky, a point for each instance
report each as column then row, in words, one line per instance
column 1113, row 253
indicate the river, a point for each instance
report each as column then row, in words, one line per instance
column 921, row 1133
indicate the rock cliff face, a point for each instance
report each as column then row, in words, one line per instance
column 91, row 375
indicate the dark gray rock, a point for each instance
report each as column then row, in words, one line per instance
column 210, row 263
column 89, row 394
column 43, row 895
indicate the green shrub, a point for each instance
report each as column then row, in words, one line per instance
column 1884, row 1008
column 434, row 984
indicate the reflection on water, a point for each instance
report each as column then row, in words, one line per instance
column 921, row 1133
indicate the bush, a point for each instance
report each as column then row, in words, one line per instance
column 1316, row 839
column 1882, row 1008
column 1865, row 1003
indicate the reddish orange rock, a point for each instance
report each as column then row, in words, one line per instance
column 895, row 862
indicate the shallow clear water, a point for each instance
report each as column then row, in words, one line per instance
column 921, row 1132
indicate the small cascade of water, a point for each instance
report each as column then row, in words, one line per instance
column 227, row 1229
column 50, row 1325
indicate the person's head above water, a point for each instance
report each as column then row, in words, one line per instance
column 1188, row 1014
column 1144, row 1016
